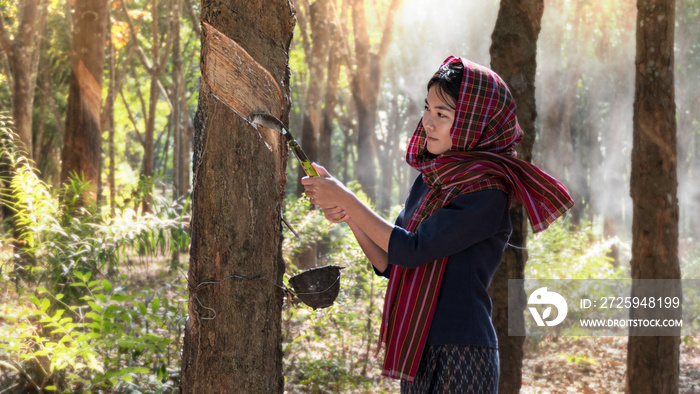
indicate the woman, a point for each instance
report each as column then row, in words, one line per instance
column 444, row 248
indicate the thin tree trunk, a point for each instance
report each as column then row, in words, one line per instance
column 23, row 55
column 178, row 91
column 82, row 143
column 331, row 99
column 361, row 86
column 316, row 53
column 653, row 362
column 513, row 56
column 233, row 338
column 364, row 85
column 387, row 154
column 109, row 122
column 155, row 67
column 188, row 131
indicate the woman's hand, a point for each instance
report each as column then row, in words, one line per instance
column 336, row 214
column 330, row 194
column 325, row 191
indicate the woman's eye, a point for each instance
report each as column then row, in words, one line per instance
column 425, row 108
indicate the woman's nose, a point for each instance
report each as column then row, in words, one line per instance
column 428, row 121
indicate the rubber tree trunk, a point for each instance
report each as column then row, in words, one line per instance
column 22, row 53
column 233, row 338
column 82, row 144
column 316, row 52
column 513, row 56
column 365, row 89
column 653, row 362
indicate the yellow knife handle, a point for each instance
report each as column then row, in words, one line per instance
column 305, row 163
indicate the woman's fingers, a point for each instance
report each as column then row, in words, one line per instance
column 321, row 170
column 324, row 190
column 335, row 214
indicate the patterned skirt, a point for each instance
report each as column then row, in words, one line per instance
column 455, row 369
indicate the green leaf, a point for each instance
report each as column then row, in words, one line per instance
column 80, row 275
column 107, row 285
column 139, row 370
column 127, row 343
column 120, row 297
column 157, row 319
column 58, row 314
column 45, row 304
column 95, row 307
column 94, row 316
column 155, row 304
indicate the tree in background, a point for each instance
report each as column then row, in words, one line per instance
column 180, row 114
column 154, row 66
column 233, row 338
column 513, row 57
column 82, row 146
column 365, row 78
column 584, row 133
column 687, row 77
column 314, row 19
column 22, row 53
column 653, row 362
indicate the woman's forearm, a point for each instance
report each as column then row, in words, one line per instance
column 378, row 257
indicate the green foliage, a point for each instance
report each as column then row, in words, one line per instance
column 71, row 329
column 63, row 232
column 108, row 341
column 561, row 252
column 332, row 349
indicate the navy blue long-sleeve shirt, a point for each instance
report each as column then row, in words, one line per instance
column 472, row 230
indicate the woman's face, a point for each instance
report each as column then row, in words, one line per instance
column 438, row 117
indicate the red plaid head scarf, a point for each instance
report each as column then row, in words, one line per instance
column 484, row 135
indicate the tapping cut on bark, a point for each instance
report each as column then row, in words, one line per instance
column 236, row 79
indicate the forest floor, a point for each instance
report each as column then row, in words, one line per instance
column 553, row 365
column 594, row 365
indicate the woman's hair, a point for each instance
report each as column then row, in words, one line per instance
column 449, row 81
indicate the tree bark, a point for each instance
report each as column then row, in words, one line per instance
column 233, row 337
column 108, row 123
column 23, row 56
column 331, row 96
column 83, row 139
column 178, row 91
column 316, row 54
column 513, row 56
column 365, row 82
column 653, row 362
